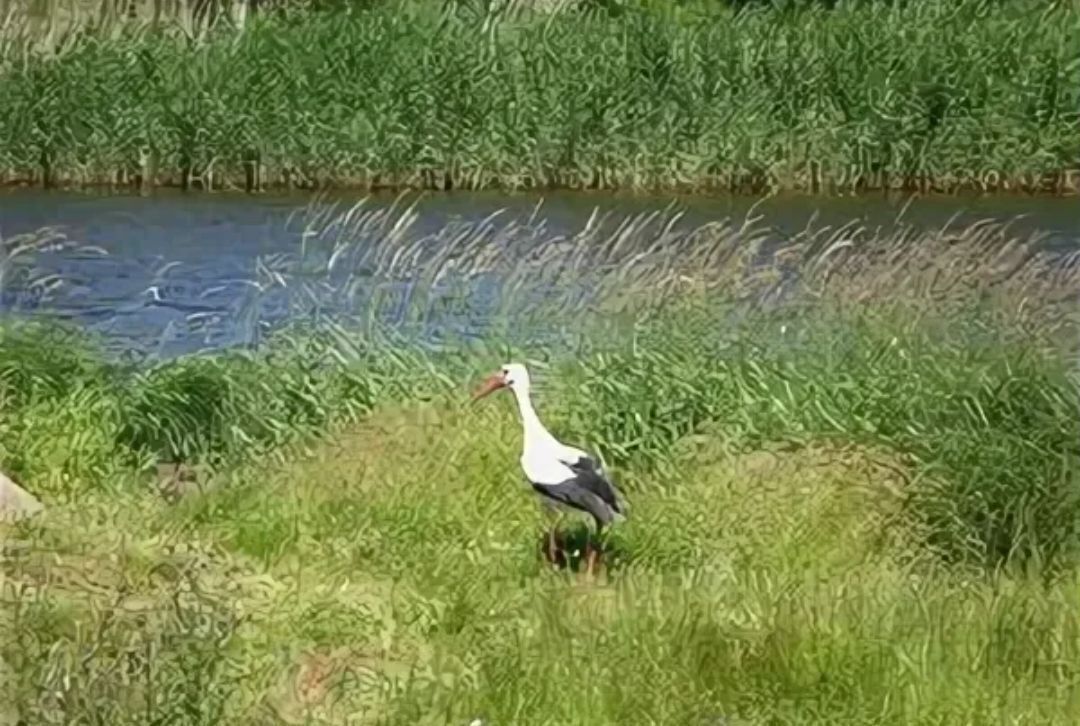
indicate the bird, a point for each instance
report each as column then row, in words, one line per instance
column 565, row 477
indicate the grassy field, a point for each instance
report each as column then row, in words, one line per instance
column 852, row 464
column 930, row 94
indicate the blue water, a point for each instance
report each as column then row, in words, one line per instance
column 170, row 273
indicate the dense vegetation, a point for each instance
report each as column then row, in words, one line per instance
column 852, row 463
column 921, row 94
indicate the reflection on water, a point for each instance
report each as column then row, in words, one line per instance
column 175, row 273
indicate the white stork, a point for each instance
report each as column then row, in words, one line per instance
column 566, row 478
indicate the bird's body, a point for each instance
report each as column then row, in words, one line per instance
column 572, row 480
column 565, row 477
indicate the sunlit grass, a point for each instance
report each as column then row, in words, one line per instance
column 851, row 461
column 393, row 577
column 917, row 95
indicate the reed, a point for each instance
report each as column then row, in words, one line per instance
column 927, row 95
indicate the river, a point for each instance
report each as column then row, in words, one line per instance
column 167, row 274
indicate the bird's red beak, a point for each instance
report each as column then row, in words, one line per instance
column 493, row 383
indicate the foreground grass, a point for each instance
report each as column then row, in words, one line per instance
column 919, row 95
column 393, row 576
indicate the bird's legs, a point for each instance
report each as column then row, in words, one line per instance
column 592, row 553
column 553, row 549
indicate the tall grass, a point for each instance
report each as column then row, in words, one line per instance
column 950, row 348
column 927, row 94
column 852, row 459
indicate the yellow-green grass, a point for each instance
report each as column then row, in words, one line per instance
column 931, row 94
column 393, row 576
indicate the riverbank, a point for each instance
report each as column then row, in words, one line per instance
column 928, row 96
column 853, row 484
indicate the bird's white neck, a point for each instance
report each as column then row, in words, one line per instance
column 534, row 432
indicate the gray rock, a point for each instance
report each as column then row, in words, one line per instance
column 15, row 502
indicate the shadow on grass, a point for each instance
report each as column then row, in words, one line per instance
column 570, row 549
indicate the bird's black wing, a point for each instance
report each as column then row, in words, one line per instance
column 585, row 463
column 591, row 477
column 572, row 493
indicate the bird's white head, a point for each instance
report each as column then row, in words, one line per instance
column 512, row 375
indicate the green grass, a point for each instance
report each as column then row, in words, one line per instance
column 918, row 95
column 394, row 578
column 854, row 504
